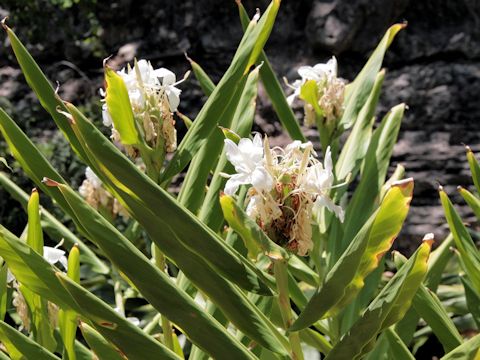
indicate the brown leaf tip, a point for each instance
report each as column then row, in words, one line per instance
column 4, row 23
column 189, row 59
column 69, row 116
column 50, row 182
column 105, row 62
column 403, row 182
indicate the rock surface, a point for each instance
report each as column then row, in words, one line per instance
column 433, row 66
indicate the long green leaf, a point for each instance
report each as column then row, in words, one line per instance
column 204, row 80
column 397, row 347
column 3, row 290
column 346, row 278
column 469, row 350
column 474, row 168
column 41, row 329
column 473, row 300
column 42, row 88
column 21, row 347
column 436, row 264
column 471, row 200
column 430, row 308
column 375, row 169
column 361, row 87
column 67, row 319
column 274, row 89
column 217, row 104
column 101, row 347
column 355, row 148
column 386, row 309
column 469, row 254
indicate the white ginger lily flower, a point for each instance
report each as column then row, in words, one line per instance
column 149, row 90
column 52, row 254
column 168, row 81
column 318, row 180
column 159, row 79
column 248, row 160
column 319, row 73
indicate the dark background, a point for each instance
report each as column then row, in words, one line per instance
column 433, row 66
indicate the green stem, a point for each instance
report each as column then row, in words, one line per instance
column 119, row 302
column 281, row 276
column 148, row 329
column 166, row 325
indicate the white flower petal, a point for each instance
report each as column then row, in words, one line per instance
column 257, row 141
column 234, row 182
column 166, row 76
column 64, row 261
column 93, row 178
column 10, row 276
column 291, row 99
column 328, row 164
column 324, row 200
column 261, row 179
column 308, row 73
column 232, row 152
column 173, row 97
column 106, row 118
column 52, row 255
column 134, row 320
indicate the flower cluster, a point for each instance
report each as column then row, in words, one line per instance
column 98, row 197
column 330, row 91
column 154, row 97
column 287, row 187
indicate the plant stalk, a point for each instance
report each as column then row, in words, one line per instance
column 166, row 325
column 281, row 276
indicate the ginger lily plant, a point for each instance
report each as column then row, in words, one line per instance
column 268, row 258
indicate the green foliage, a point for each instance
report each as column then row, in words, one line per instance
column 201, row 266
